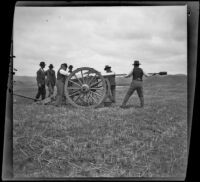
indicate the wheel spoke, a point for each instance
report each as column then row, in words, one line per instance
column 77, row 98
column 97, row 94
column 82, row 99
column 74, row 93
column 87, row 96
column 82, row 76
column 100, row 86
column 73, row 88
column 100, row 92
column 75, row 83
column 95, row 84
column 78, row 79
column 91, row 79
column 93, row 98
column 87, row 77
column 96, row 88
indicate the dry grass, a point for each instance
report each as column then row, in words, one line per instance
column 104, row 142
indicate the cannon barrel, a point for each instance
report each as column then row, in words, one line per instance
column 160, row 73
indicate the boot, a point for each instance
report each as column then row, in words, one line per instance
column 58, row 101
column 141, row 101
column 125, row 101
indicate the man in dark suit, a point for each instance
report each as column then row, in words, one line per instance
column 41, row 82
column 51, row 80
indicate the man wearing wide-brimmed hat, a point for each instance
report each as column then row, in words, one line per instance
column 51, row 80
column 110, row 76
column 41, row 82
column 136, row 84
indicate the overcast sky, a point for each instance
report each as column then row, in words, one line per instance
column 97, row 36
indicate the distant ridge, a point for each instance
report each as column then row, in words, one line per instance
column 25, row 78
column 180, row 74
column 157, row 79
column 25, row 81
column 120, row 81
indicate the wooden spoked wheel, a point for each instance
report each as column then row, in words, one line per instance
column 85, row 88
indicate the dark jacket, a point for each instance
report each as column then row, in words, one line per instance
column 51, row 77
column 40, row 77
column 137, row 74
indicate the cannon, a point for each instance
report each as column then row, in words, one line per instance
column 86, row 87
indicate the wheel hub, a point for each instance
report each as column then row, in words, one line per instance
column 85, row 88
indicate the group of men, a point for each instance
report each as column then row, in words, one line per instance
column 49, row 78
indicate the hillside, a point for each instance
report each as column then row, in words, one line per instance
column 25, row 79
column 51, row 141
column 120, row 81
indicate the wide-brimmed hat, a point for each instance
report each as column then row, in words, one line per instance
column 70, row 66
column 51, row 66
column 136, row 62
column 107, row 67
column 42, row 63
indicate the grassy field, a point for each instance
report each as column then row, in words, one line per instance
column 104, row 142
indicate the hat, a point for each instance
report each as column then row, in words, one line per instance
column 42, row 63
column 70, row 66
column 107, row 67
column 51, row 66
column 64, row 64
column 136, row 62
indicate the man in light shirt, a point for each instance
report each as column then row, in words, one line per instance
column 60, row 83
column 41, row 82
column 136, row 84
column 110, row 76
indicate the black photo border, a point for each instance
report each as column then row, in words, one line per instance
column 192, row 80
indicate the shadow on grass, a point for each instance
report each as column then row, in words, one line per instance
column 131, row 106
column 110, row 105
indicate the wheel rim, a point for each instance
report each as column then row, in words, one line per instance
column 85, row 88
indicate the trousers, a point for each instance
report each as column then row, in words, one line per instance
column 50, row 89
column 113, row 92
column 41, row 92
column 110, row 91
column 138, row 86
column 60, row 92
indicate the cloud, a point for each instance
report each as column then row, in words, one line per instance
column 95, row 36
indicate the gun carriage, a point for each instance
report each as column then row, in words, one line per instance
column 86, row 88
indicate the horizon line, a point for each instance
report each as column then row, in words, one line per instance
column 119, row 73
